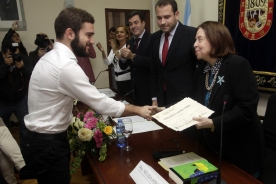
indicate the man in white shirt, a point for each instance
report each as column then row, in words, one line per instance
column 56, row 81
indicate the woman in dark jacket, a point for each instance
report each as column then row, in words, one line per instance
column 224, row 73
column 14, row 36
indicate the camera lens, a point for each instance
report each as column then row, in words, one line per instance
column 16, row 57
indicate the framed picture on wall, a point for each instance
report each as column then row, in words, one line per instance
column 10, row 11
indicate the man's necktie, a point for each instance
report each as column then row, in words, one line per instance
column 165, row 49
column 136, row 44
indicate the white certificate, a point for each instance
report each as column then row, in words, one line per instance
column 180, row 116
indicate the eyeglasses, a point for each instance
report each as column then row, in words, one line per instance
column 169, row 143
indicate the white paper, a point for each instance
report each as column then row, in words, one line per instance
column 125, row 102
column 108, row 92
column 140, row 124
column 180, row 116
column 145, row 126
column 134, row 119
column 180, row 159
column 143, row 174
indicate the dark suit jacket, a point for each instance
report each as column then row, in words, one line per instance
column 140, row 70
column 242, row 129
column 179, row 68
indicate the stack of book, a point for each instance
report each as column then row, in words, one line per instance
column 189, row 168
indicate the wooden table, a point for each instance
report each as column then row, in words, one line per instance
column 119, row 163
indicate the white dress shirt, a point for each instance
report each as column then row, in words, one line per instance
column 56, row 81
column 112, row 59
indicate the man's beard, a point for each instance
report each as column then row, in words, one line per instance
column 78, row 49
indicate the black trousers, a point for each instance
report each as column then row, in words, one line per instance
column 48, row 160
column 124, row 87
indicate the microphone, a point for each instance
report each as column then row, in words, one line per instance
column 99, row 75
column 218, row 179
column 123, row 97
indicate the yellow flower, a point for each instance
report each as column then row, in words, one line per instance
column 85, row 134
column 108, row 130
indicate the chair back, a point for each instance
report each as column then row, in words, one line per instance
column 269, row 123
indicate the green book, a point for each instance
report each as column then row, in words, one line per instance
column 193, row 171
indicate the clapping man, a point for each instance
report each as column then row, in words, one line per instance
column 137, row 56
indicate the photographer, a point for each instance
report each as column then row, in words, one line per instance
column 15, row 68
column 12, row 35
column 44, row 45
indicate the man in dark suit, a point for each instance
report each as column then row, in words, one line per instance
column 137, row 55
column 173, row 57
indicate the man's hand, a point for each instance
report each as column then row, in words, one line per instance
column 126, row 53
column 155, row 110
column 41, row 52
column 8, row 60
column 147, row 111
column 203, row 122
column 19, row 64
column 51, row 46
column 154, row 103
column 159, row 109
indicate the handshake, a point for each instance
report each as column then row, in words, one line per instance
column 145, row 111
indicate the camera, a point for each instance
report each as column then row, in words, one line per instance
column 15, row 56
column 42, row 41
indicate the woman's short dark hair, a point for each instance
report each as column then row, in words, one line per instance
column 167, row 2
column 21, row 47
column 219, row 38
column 7, row 45
column 112, row 29
column 73, row 18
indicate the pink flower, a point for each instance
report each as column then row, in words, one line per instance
column 98, row 138
column 91, row 123
column 79, row 114
column 88, row 115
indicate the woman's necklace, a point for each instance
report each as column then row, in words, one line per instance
column 213, row 82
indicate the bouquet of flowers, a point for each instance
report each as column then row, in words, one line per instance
column 88, row 132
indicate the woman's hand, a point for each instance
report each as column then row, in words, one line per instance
column 8, row 60
column 203, row 122
column 14, row 25
column 100, row 47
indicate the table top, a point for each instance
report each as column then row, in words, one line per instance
column 119, row 163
